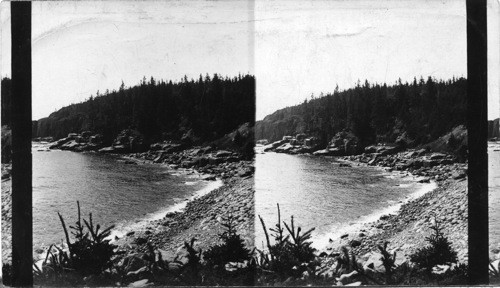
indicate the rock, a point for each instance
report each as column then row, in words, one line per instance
column 437, row 156
column 458, row 175
column 209, row 178
column 262, row 142
column 284, row 148
column 346, row 143
column 138, row 271
column 70, row 145
column 344, row 236
column 223, row 153
column 109, row 149
column 371, row 149
column 140, row 283
column 421, row 152
column 133, row 262
column 355, row 243
column 170, row 214
column 72, row 136
column 323, row 152
column 429, row 163
column 244, row 172
column 344, row 278
column 323, row 254
column 374, row 263
column 130, row 233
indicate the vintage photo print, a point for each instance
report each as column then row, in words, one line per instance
column 248, row 143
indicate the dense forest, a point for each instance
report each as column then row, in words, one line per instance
column 419, row 112
column 202, row 110
column 6, row 98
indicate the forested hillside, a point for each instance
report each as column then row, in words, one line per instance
column 201, row 110
column 6, row 98
column 418, row 112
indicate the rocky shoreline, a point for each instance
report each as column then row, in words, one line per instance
column 407, row 228
column 6, row 217
column 202, row 217
column 405, row 231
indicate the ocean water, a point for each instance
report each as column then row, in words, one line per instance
column 494, row 193
column 115, row 193
column 322, row 195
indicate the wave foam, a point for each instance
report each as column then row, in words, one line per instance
column 321, row 241
column 123, row 228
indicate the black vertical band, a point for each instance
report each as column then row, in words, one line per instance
column 22, row 229
column 477, row 127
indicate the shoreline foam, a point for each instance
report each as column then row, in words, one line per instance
column 322, row 241
column 158, row 215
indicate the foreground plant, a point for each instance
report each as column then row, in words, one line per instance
column 89, row 255
column 438, row 252
column 290, row 260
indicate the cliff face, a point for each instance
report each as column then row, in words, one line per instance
column 494, row 129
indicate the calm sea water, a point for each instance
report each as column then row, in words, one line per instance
column 116, row 193
column 494, row 193
column 313, row 189
column 320, row 194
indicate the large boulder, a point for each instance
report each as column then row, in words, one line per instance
column 262, row 142
column 223, row 153
column 96, row 139
column 284, row 148
column 131, row 140
column 346, row 142
column 72, row 144
column 329, row 152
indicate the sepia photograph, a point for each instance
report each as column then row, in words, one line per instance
column 249, row 143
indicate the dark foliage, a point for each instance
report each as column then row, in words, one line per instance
column 6, row 101
column 289, row 261
column 425, row 110
column 232, row 248
column 438, row 252
column 6, row 144
column 229, row 263
column 204, row 110
column 89, row 254
column 7, row 274
column 290, row 256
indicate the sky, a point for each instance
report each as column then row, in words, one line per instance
column 294, row 48
column 81, row 47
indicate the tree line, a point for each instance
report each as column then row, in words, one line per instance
column 205, row 109
column 420, row 112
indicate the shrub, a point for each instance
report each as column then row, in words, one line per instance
column 437, row 253
column 89, row 254
column 290, row 257
column 232, row 248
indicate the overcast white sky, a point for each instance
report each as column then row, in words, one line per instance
column 294, row 48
